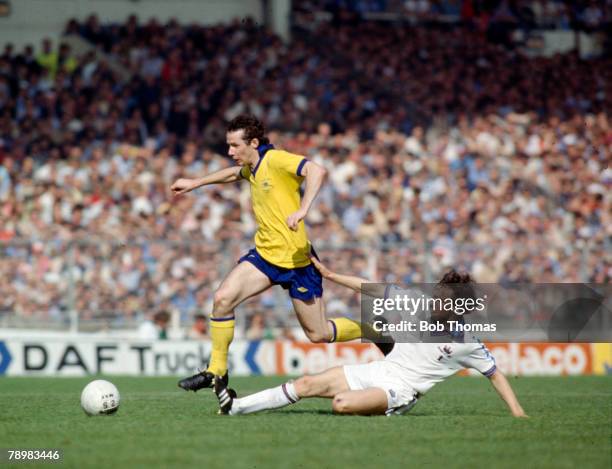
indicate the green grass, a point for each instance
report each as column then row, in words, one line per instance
column 460, row 423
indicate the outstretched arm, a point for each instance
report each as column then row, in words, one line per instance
column 350, row 281
column 503, row 388
column 314, row 176
column 182, row 186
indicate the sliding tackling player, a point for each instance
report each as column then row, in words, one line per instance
column 390, row 386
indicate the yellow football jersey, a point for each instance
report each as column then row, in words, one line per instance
column 275, row 193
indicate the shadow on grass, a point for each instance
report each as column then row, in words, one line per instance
column 331, row 413
column 460, row 414
column 306, row 412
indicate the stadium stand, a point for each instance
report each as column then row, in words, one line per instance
column 444, row 146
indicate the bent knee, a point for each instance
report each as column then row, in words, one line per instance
column 340, row 405
column 224, row 301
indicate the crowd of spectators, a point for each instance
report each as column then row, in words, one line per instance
column 442, row 150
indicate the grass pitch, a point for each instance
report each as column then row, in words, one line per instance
column 460, row 423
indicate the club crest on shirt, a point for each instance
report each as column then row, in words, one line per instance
column 446, row 352
column 266, row 184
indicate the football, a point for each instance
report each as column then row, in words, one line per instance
column 100, row 397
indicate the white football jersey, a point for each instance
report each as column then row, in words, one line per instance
column 422, row 365
column 425, row 364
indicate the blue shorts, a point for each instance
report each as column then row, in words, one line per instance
column 303, row 283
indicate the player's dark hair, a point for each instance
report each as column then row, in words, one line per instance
column 253, row 128
column 459, row 284
column 452, row 276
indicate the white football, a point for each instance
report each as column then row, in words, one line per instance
column 100, row 397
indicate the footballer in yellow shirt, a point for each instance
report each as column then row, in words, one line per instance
column 282, row 250
column 275, row 192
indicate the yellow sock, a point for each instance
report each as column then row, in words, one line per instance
column 347, row 329
column 222, row 334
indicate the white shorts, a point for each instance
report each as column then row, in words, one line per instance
column 384, row 375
